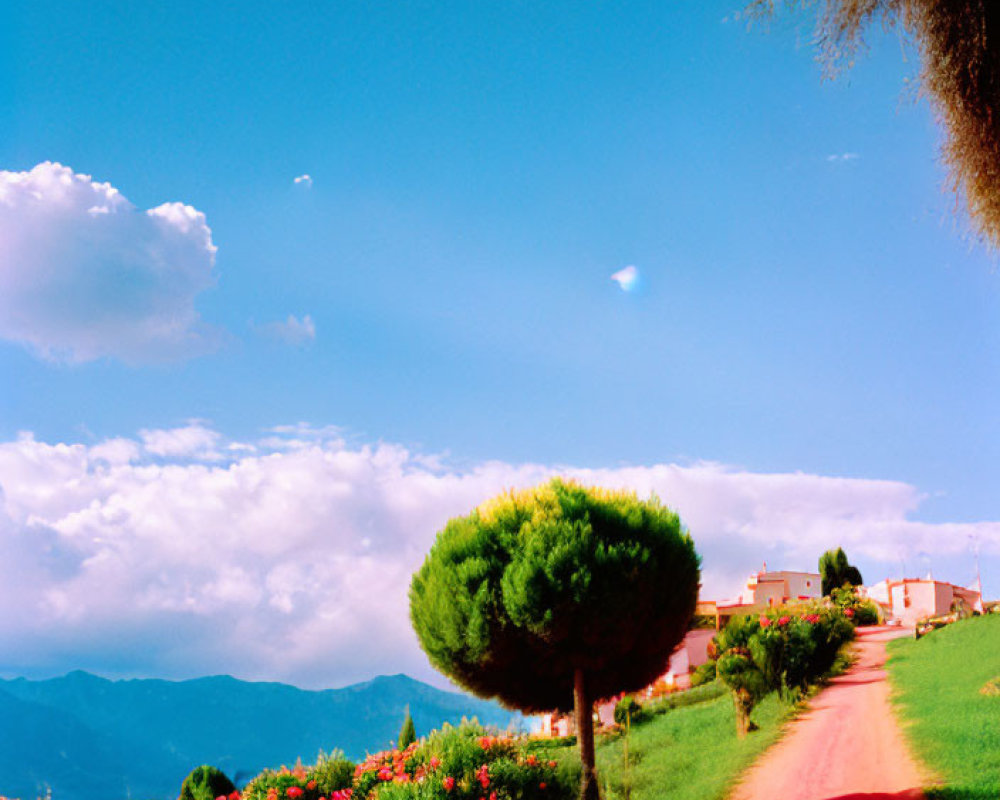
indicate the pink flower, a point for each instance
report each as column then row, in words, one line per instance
column 764, row 622
column 784, row 620
column 435, row 763
column 448, row 783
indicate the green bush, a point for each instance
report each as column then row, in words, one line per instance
column 332, row 772
column 276, row 784
column 627, row 709
column 703, row 673
column 206, row 783
column 690, row 697
column 860, row 611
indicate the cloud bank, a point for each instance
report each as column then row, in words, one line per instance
column 84, row 274
column 180, row 553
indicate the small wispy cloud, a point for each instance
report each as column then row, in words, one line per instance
column 304, row 180
column 834, row 157
column 627, row 278
column 292, row 330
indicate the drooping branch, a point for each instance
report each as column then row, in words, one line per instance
column 959, row 46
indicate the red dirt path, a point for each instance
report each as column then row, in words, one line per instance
column 847, row 746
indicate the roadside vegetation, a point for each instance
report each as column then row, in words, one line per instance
column 942, row 685
column 687, row 753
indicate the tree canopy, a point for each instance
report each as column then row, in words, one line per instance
column 959, row 44
column 835, row 571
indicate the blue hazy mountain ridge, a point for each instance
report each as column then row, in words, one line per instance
column 89, row 738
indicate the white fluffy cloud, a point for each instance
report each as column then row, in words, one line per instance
column 181, row 553
column 84, row 274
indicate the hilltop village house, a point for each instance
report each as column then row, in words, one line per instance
column 763, row 590
column 912, row 599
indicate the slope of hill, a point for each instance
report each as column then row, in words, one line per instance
column 86, row 737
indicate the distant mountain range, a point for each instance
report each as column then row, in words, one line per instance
column 88, row 738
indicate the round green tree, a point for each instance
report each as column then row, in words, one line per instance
column 552, row 598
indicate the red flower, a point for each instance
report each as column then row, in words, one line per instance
column 784, row 620
column 448, row 783
column 385, row 774
column 848, row 612
column 764, row 622
column 541, row 785
column 532, row 761
column 311, row 785
column 552, row 764
column 435, row 762
column 294, row 791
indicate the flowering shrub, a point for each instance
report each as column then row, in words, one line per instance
column 861, row 611
column 299, row 783
column 455, row 763
column 783, row 649
column 468, row 763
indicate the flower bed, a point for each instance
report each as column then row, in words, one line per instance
column 455, row 763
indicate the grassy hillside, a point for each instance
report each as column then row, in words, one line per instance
column 953, row 727
column 690, row 753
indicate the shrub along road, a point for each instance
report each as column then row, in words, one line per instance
column 848, row 745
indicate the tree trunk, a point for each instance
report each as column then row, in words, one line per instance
column 742, row 701
column 584, row 708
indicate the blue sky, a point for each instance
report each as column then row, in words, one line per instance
column 809, row 300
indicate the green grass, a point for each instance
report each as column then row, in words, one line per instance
column 953, row 728
column 687, row 753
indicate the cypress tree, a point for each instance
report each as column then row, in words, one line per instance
column 407, row 734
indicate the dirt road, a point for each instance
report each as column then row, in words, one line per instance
column 847, row 746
